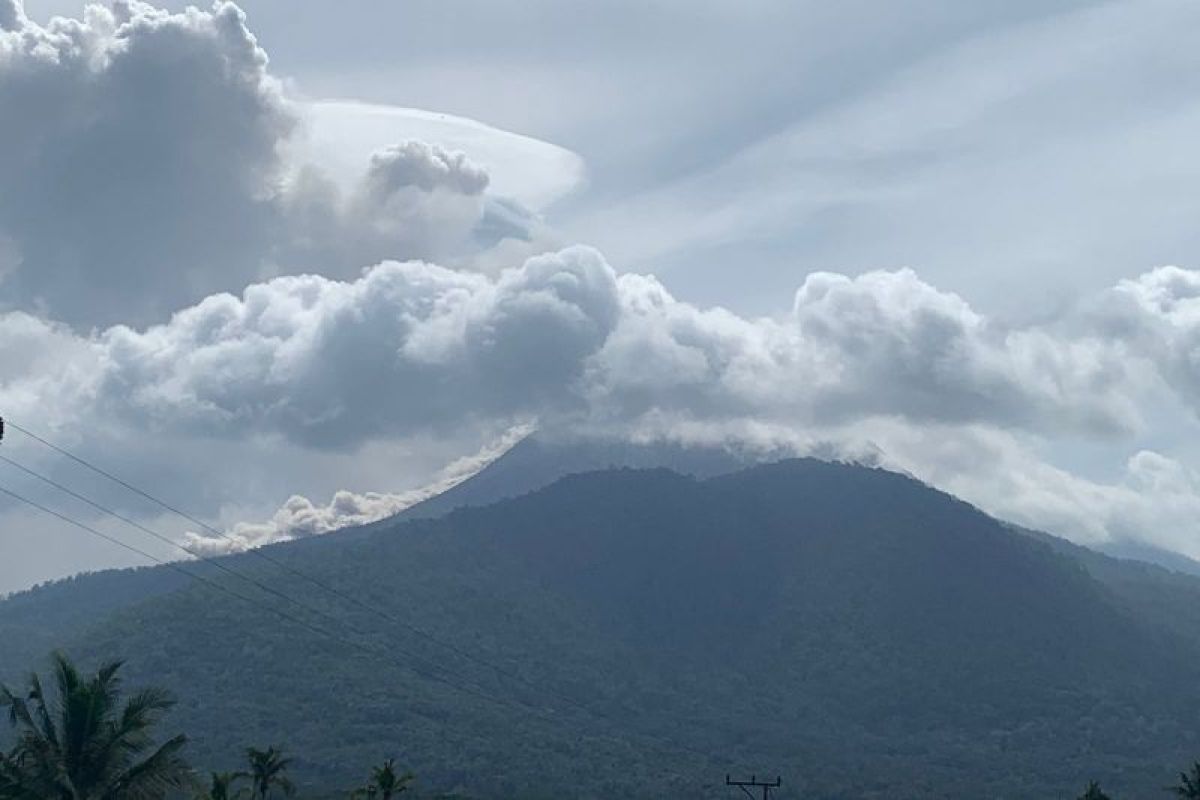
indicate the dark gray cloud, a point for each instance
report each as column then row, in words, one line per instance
column 146, row 171
column 140, row 171
column 11, row 15
column 421, row 166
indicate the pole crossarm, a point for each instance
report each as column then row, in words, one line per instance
column 755, row 783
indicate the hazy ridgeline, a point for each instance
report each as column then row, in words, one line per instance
column 849, row 628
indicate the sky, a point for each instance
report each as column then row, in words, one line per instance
column 295, row 269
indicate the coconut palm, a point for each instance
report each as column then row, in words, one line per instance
column 78, row 742
column 1189, row 783
column 12, row 785
column 385, row 782
column 268, row 770
column 221, row 786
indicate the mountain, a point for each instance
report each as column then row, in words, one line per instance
column 849, row 628
column 540, row 459
column 1138, row 551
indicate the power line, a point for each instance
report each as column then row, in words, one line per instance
column 282, row 614
column 102, row 535
column 259, row 552
column 150, row 532
column 207, row 559
column 466, row 689
column 539, row 688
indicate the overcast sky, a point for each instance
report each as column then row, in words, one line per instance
column 292, row 270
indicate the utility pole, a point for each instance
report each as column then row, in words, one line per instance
column 755, row 783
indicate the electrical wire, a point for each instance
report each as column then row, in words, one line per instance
column 258, row 552
column 261, row 554
column 216, row 563
column 176, row 566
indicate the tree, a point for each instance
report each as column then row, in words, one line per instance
column 268, row 769
column 11, row 783
column 1094, row 792
column 78, row 742
column 1189, row 783
column 385, row 782
column 221, row 786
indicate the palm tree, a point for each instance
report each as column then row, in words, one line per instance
column 386, row 783
column 1189, row 783
column 80, row 743
column 12, row 785
column 221, row 786
column 1094, row 792
column 267, row 770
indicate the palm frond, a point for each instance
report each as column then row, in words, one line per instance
column 77, row 741
column 152, row 777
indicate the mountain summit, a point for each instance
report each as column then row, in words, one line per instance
column 640, row 632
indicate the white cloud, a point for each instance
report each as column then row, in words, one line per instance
column 300, row 517
column 884, row 343
column 881, row 363
column 11, row 15
column 404, row 348
column 152, row 165
column 158, row 167
column 881, row 366
column 413, row 346
column 338, row 133
column 1154, row 499
column 139, row 172
column 1022, row 166
column 415, row 200
column 421, row 166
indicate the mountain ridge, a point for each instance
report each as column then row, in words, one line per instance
column 813, row 618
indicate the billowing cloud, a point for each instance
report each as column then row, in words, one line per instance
column 421, row 166
column 151, row 165
column 184, row 285
column 300, row 517
column 884, row 343
column 409, row 346
column 1160, row 312
column 882, row 364
column 140, row 169
column 415, row 200
column 11, row 15
column 532, row 172
column 1151, row 499
column 405, row 347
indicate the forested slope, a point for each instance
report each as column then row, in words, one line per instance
column 849, row 628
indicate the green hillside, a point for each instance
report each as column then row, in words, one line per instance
column 848, row 628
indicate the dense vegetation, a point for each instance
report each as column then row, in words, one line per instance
column 849, row 628
column 75, row 741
